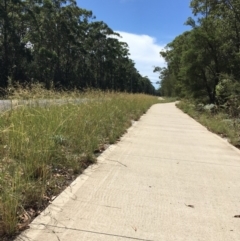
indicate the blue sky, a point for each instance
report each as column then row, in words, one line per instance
column 146, row 25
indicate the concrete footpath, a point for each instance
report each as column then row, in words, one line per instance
column 168, row 179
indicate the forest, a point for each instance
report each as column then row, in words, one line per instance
column 204, row 63
column 62, row 46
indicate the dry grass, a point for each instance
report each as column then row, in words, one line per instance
column 44, row 148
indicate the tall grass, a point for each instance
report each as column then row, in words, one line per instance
column 42, row 149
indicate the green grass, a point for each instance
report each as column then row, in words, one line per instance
column 218, row 122
column 43, row 149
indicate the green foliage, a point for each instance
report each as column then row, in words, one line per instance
column 197, row 59
column 227, row 94
column 56, row 43
column 227, row 89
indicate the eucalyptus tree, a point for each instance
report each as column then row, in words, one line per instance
column 120, row 65
column 12, row 46
column 199, row 58
column 59, row 44
column 172, row 79
column 98, row 44
column 222, row 16
column 168, row 83
column 54, row 35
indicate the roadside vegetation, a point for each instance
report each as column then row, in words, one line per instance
column 43, row 149
column 215, row 119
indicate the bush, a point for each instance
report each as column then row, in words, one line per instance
column 227, row 94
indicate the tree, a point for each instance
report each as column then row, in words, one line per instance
column 198, row 59
column 60, row 45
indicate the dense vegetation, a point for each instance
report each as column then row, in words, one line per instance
column 56, row 43
column 203, row 63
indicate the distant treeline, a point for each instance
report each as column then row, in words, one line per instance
column 204, row 63
column 56, row 43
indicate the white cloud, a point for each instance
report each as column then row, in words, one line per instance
column 145, row 53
